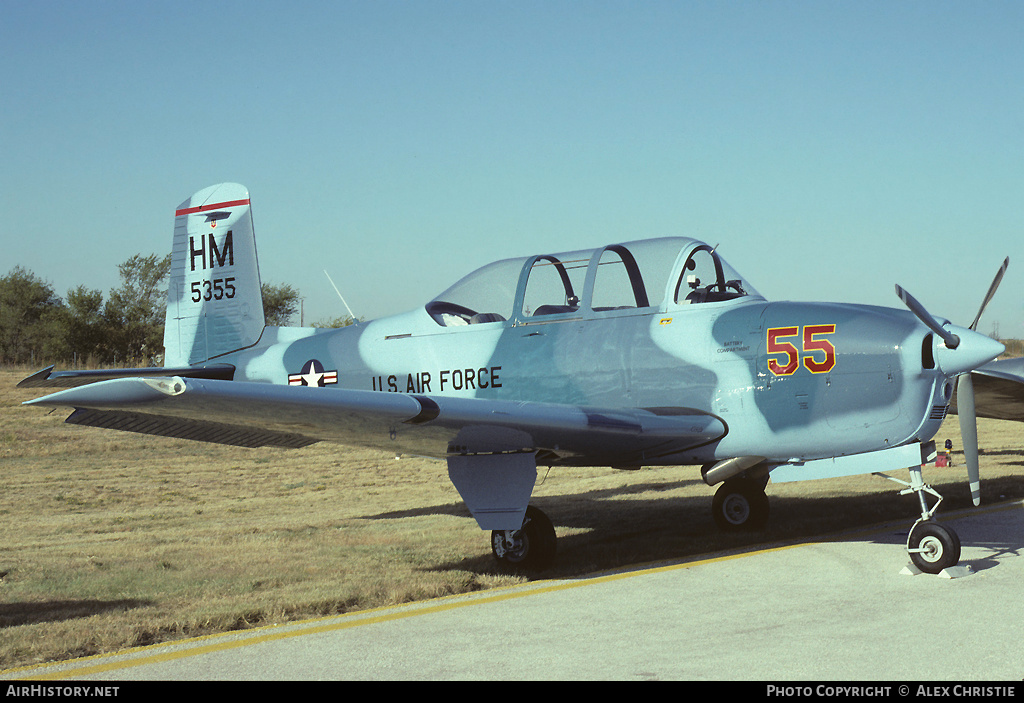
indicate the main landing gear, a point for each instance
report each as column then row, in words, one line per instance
column 530, row 548
column 741, row 504
column 931, row 545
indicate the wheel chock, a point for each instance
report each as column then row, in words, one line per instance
column 950, row 572
column 955, row 572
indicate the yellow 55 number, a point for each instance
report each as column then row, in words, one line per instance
column 785, row 358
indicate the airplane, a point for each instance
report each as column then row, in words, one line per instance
column 652, row 352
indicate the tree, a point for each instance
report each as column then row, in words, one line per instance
column 134, row 313
column 279, row 303
column 31, row 317
column 36, row 324
column 87, row 330
column 341, row 321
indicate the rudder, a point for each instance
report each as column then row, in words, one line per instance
column 214, row 303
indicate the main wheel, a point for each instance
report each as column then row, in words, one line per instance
column 740, row 504
column 933, row 547
column 531, row 547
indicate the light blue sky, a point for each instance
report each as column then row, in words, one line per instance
column 831, row 149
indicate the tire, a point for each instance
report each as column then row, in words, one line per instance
column 740, row 504
column 940, row 545
column 534, row 544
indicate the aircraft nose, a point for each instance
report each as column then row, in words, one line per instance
column 974, row 350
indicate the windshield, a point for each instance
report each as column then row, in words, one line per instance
column 486, row 295
column 707, row 278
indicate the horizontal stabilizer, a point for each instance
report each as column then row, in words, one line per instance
column 48, row 378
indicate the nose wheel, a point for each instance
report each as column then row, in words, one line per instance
column 932, row 546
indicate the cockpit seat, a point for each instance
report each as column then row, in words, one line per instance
column 554, row 310
column 704, row 295
column 486, row 317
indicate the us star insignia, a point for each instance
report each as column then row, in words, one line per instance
column 313, row 374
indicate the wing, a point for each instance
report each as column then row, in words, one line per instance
column 999, row 390
column 260, row 414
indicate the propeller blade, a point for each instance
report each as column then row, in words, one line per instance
column 973, row 352
column 969, row 433
column 991, row 292
column 951, row 340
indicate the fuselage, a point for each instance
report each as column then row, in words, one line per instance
column 788, row 380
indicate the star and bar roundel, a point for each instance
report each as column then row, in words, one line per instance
column 313, row 374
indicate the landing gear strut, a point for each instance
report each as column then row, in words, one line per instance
column 932, row 546
column 531, row 547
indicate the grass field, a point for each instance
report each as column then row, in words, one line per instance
column 112, row 540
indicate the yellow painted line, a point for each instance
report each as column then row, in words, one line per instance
column 358, row 619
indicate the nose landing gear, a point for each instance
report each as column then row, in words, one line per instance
column 932, row 546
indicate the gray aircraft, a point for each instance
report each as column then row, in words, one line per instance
column 653, row 352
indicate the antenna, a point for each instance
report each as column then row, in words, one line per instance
column 355, row 320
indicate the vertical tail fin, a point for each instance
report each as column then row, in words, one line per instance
column 214, row 303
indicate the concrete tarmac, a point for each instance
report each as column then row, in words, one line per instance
column 834, row 610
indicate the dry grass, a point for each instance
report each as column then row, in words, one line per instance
column 112, row 540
